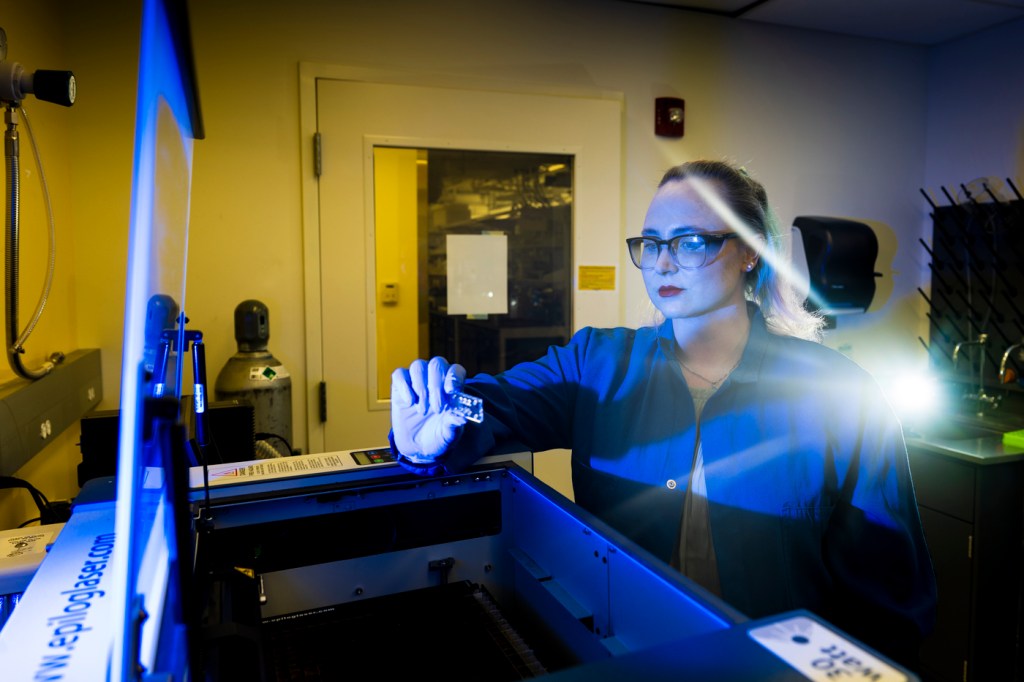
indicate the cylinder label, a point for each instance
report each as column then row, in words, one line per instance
column 267, row 373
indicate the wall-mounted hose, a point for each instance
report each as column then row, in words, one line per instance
column 16, row 339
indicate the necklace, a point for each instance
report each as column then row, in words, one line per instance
column 714, row 384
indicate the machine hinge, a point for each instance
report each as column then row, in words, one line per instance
column 323, row 402
column 970, row 546
column 317, row 154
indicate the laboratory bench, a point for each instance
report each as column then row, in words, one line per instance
column 970, row 493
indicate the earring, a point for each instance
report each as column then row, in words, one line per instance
column 750, row 266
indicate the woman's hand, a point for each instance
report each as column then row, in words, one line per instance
column 422, row 426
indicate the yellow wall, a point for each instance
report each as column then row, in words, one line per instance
column 396, row 185
column 37, row 43
column 36, row 40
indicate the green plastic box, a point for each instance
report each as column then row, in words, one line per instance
column 1014, row 438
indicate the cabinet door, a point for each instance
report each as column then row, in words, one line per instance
column 944, row 652
column 943, row 483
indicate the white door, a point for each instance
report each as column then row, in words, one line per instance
column 353, row 111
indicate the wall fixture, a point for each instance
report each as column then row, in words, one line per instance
column 668, row 116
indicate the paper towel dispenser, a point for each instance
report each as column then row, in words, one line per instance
column 840, row 257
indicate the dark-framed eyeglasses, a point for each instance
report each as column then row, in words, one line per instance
column 689, row 251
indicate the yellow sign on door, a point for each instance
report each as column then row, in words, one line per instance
column 597, row 278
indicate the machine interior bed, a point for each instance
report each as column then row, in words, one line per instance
column 486, row 575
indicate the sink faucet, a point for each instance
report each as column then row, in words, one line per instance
column 981, row 341
column 1006, row 358
column 982, row 400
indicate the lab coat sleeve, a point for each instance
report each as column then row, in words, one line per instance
column 874, row 546
column 531, row 404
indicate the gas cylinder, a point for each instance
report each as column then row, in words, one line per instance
column 255, row 376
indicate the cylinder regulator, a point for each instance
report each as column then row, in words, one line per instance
column 255, row 376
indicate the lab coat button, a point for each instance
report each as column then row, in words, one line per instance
column 671, row 484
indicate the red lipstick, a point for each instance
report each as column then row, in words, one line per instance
column 667, row 291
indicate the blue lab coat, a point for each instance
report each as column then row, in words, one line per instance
column 809, row 487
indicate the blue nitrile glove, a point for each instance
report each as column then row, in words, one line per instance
column 421, row 426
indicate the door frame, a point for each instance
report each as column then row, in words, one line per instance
column 609, row 302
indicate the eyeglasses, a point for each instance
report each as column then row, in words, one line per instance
column 689, row 251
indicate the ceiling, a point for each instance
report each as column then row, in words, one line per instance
column 917, row 22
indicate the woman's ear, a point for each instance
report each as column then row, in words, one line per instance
column 750, row 258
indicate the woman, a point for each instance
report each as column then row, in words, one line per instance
column 723, row 439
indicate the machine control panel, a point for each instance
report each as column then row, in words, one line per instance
column 374, row 456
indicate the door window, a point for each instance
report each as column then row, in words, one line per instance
column 473, row 254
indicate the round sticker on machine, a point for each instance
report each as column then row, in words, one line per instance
column 267, row 373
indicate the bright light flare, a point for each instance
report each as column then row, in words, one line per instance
column 915, row 395
column 778, row 259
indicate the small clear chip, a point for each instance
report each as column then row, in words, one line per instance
column 470, row 407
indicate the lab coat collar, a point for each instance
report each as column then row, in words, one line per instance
column 749, row 368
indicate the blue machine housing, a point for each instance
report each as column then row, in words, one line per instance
column 579, row 598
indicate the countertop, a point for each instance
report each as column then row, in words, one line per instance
column 972, row 440
column 984, row 450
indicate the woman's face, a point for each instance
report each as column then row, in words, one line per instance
column 678, row 293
